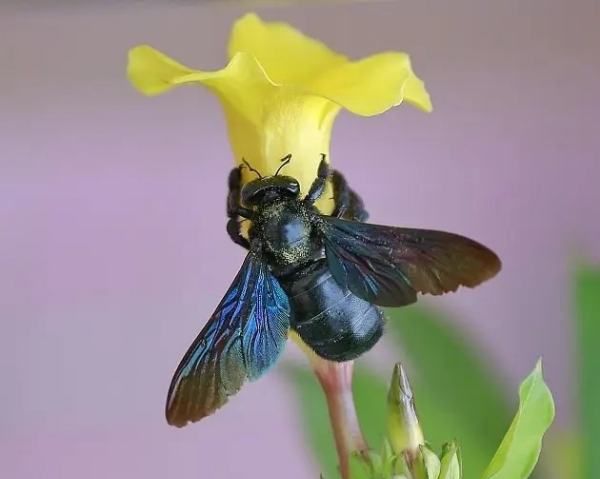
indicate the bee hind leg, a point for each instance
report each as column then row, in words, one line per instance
column 348, row 205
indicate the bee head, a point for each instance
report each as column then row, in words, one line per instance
column 265, row 190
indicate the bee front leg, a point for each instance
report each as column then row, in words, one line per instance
column 318, row 186
column 235, row 209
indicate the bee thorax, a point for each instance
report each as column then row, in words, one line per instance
column 286, row 234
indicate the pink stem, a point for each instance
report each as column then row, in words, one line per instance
column 336, row 381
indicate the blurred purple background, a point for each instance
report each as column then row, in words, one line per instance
column 113, row 251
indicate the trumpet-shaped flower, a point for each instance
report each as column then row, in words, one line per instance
column 281, row 92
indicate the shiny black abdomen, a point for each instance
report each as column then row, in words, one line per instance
column 335, row 323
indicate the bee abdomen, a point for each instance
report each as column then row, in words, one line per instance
column 335, row 323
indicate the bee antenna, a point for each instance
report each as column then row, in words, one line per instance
column 251, row 169
column 284, row 161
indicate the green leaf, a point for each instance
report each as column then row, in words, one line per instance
column 519, row 451
column 369, row 398
column 587, row 297
column 456, row 391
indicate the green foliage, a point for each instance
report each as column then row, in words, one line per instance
column 469, row 406
column 587, row 302
column 515, row 458
column 427, row 465
column 380, row 465
column 457, row 391
column 519, row 451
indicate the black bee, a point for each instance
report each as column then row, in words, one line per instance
column 323, row 276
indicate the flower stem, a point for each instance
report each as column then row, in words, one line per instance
column 336, row 381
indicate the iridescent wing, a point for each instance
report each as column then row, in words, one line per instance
column 387, row 266
column 242, row 339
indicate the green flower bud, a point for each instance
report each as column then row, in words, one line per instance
column 404, row 432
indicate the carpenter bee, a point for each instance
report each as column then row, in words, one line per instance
column 322, row 276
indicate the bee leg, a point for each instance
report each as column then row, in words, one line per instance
column 318, row 186
column 234, row 208
column 235, row 191
column 233, row 230
column 348, row 205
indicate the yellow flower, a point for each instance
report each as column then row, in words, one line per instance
column 281, row 92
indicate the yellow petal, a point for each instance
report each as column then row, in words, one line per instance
column 414, row 92
column 152, row 72
column 373, row 85
column 242, row 85
column 265, row 122
column 289, row 56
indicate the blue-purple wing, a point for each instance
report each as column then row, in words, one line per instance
column 388, row 266
column 242, row 339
